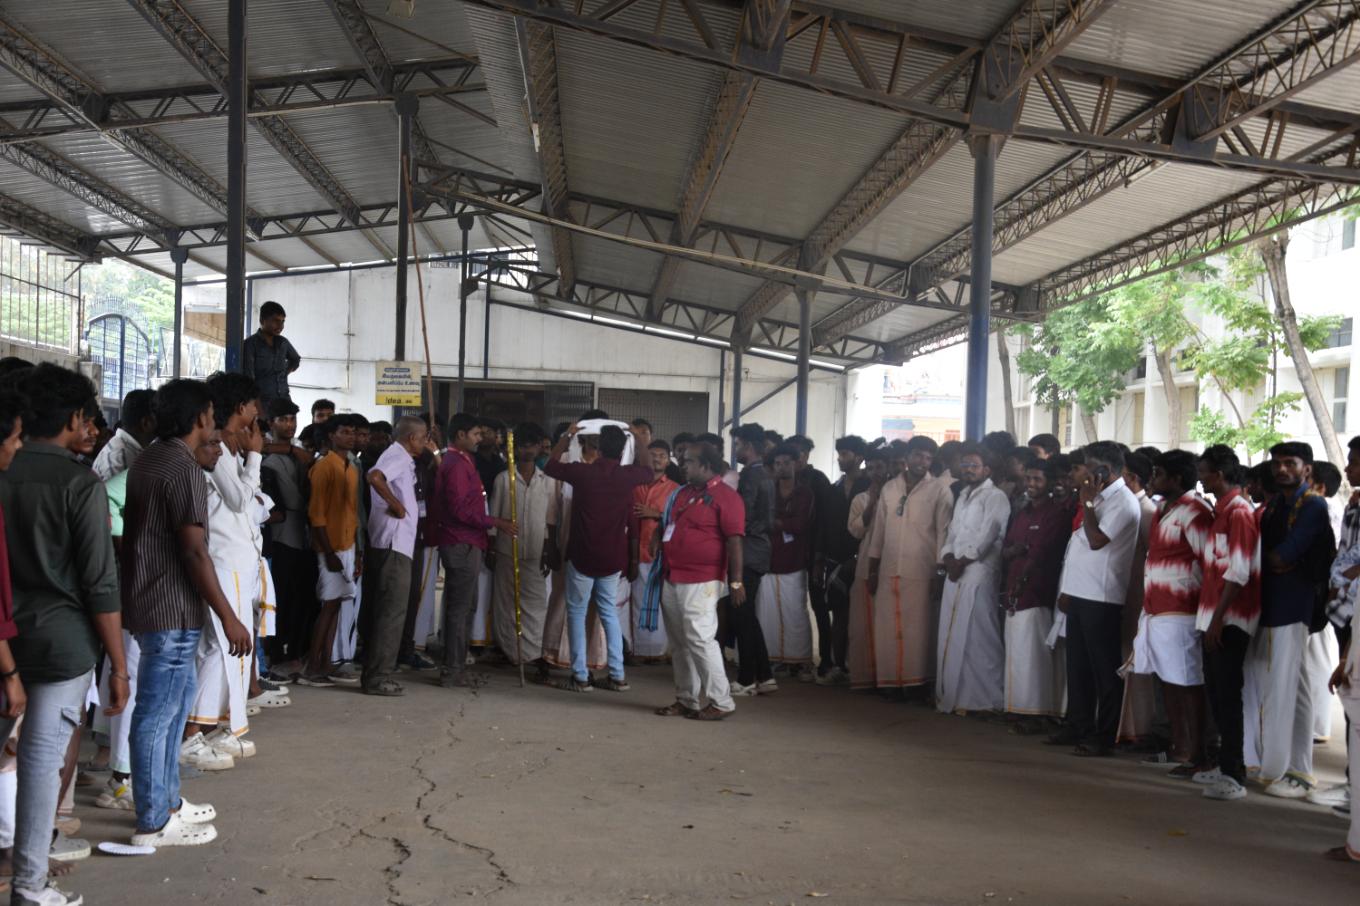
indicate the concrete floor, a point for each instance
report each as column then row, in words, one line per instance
column 536, row 796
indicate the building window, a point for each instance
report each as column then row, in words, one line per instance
column 1022, row 423
column 1140, row 370
column 1139, row 404
column 1348, row 235
column 1189, row 406
column 1341, row 336
column 1065, row 425
column 1340, row 391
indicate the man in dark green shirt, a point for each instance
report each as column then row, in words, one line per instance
column 66, row 603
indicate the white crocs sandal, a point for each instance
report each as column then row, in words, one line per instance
column 195, row 814
column 271, row 699
column 177, row 832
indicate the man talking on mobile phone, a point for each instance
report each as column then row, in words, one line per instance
column 1095, row 581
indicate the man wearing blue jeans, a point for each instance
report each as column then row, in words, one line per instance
column 597, row 547
column 168, row 576
column 65, row 588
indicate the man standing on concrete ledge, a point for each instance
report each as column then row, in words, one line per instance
column 597, row 548
column 700, row 542
column 268, row 357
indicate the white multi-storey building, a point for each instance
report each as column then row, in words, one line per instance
column 1324, row 279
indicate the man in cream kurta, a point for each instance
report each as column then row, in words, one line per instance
column 970, row 652
column 535, row 503
column 908, row 530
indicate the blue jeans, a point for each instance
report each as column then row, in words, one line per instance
column 166, row 678
column 580, row 589
column 53, row 713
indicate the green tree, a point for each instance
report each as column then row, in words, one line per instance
column 1079, row 355
column 1246, row 355
column 1154, row 308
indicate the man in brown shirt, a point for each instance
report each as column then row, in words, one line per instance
column 168, row 576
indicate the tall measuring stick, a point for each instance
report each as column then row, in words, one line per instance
column 514, row 552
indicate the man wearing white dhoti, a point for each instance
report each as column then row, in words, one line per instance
column 782, row 599
column 534, row 497
column 1296, row 537
column 218, row 715
column 1033, row 550
column 970, row 654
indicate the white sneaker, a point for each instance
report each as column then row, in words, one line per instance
column 1289, row 787
column 117, row 794
column 196, row 752
column 1225, row 789
column 177, row 832
column 1207, row 778
column 767, row 687
column 195, row 814
column 739, row 689
column 51, row 895
column 228, row 743
column 1332, row 797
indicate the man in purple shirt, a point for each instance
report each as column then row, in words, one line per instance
column 393, row 514
column 458, row 524
column 597, row 549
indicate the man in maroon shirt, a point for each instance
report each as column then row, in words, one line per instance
column 458, row 524
column 701, row 552
column 597, row 549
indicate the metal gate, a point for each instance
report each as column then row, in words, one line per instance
column 669, row 411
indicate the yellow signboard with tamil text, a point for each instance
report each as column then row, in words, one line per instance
column 398, row 383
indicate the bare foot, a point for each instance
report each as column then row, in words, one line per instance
column 57, row 869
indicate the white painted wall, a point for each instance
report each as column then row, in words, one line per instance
column 343, row 322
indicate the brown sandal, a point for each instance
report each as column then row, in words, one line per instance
column 1340, row 854
column 712, row 712
column 674, row 709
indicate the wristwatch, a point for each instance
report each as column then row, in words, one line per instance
column 734, row 585
column 1090, row 504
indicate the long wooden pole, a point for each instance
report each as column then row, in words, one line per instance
column 420, row 287
column 514, row 552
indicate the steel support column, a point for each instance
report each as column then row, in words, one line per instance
column 736, row 395
column 805, row 294
column 179, row 256
column 237, row 96
column 407, row 105
column 984, row 148
column 464, row 224
column 722, row 389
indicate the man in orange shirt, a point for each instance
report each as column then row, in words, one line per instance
column 649, row 502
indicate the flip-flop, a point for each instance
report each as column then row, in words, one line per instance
column 1340, row 854
column 112, row 848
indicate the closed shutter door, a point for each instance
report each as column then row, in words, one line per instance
column 670, row 412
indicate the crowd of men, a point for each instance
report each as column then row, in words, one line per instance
column 164, row 584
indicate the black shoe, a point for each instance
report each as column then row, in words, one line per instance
column 1063, row 738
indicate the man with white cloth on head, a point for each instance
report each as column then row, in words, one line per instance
column 217, row 719
column 970, row 653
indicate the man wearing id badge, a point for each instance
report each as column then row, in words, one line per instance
column 699, row 552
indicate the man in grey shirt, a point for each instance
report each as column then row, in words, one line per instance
column 283, row 475
column 268, row 357
column 757, row 493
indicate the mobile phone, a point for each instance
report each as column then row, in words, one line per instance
column 1102, row 474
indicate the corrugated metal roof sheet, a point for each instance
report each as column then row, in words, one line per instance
column 283, row 35
column 630, row 118
column 796, row 155
column 1163, row 195
column 109, row 42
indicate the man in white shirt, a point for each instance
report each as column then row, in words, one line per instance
column 971, row 655
column 1095, row 582
column 393, row 517
column 136, row 429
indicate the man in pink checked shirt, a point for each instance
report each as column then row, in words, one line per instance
column 459, row 523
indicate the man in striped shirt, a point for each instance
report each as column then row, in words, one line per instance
column 168, row 576
column 1167, row 643
column 1229, row 611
